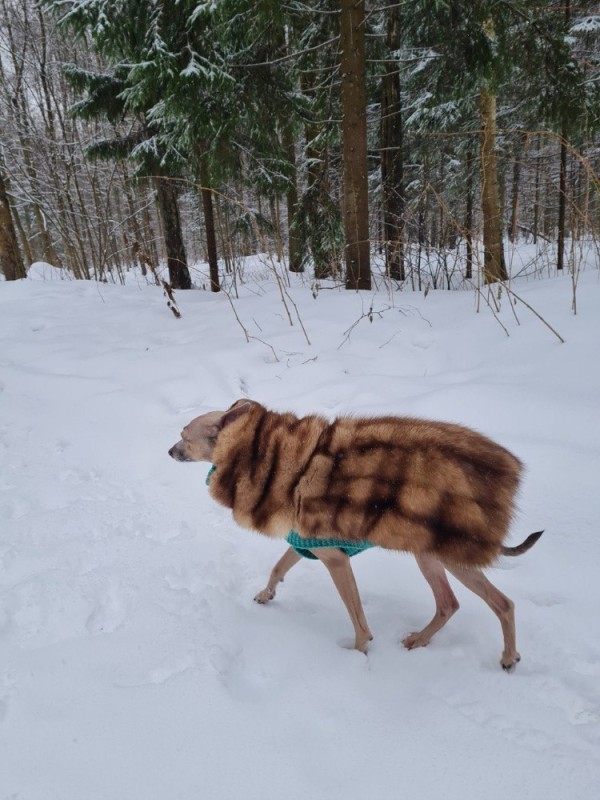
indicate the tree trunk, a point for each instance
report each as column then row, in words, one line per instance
column 354, row 134
column 562, row 199
column 469, row 213
column 319, row 218
column 148, row 227
column 138, row 245
column 291, row 198
column 226, row 238
column 318, row 203
column 562, row 191
column 71, row 221
column 209, row 226
column 179, row 275
column 441, row 240
column 48, row 253
column 275, row 210
column 548, row 208
column 392, row 156
column 516, row 181
column 29, row 259
column 536, row 202
column 11, row 262
column 494, row 267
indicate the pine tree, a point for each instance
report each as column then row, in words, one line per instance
column 257, row 41
column 318, row 219
column 469, row 53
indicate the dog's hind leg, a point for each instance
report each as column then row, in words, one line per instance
column 446, row 603
column 338, row 565
column 502, row 606
column 289, row 559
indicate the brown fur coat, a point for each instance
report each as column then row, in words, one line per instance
column 400, row 483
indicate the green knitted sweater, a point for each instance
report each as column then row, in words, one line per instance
column 304, row 546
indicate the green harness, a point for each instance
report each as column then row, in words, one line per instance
column 304, row 546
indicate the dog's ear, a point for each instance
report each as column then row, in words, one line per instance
column 237, row 410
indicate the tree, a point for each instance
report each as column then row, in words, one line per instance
column 166, row 198
column 11, row 261
column 557, row 87
column 120, row 32
column 317, row 221
column 218, row 82
column 354, row 133
column 259, row 39
column 235, row 106
column 468, row 52
column 392, row 148
column 17, row 36
column 494, row 265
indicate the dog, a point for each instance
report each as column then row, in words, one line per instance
column 440, row 491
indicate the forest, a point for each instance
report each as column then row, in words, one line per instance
column 414, row 143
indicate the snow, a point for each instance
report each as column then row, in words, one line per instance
column 134, row 663
column 42, row 271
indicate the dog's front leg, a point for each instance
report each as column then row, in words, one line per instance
column 284, row 565
column 338, row 564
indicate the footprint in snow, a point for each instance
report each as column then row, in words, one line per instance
column 546, row 599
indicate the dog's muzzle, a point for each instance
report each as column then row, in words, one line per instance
column 177, row 453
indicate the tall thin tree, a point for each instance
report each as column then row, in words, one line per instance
column 392, row 148
column 354, row 132
column 562, row 190
column 11, row 261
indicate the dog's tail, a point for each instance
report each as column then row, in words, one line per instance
column 523, row 547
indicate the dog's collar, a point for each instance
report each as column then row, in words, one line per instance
column 210, row 472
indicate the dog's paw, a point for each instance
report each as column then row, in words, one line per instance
column 361, row 643
column 265, row 596
column 510, row 662
column 414, row 640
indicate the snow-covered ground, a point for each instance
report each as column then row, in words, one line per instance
column 134, row 664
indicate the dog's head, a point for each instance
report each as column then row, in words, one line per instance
column 199, row 437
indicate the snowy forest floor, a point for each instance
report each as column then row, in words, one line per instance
column 134, row 664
